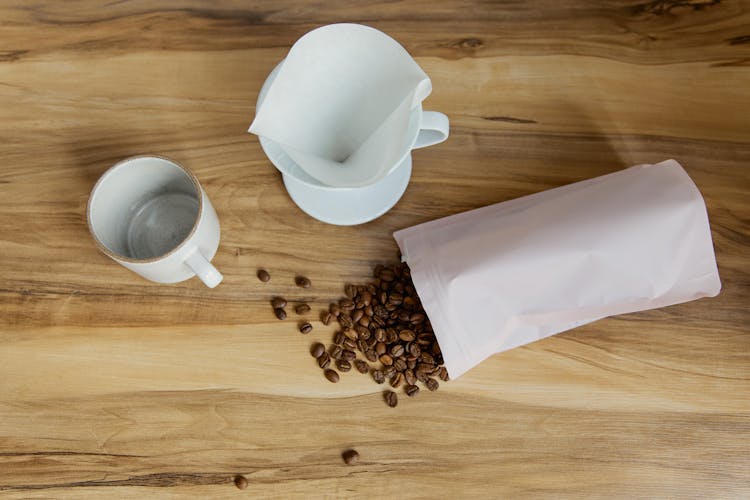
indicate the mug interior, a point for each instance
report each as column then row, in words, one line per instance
column 144, row 208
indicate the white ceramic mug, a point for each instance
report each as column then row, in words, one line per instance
column 151, row 215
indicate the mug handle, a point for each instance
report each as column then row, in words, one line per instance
column 202, row 268
column 433, row 129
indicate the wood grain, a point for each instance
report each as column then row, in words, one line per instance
column 114, row 386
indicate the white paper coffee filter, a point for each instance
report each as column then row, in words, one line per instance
column 341, row 102
column 508, row 274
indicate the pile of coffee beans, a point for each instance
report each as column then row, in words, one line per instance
column 382, row 331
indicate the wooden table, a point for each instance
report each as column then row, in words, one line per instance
column 111, row 386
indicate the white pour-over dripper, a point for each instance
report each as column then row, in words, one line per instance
column 369, row 181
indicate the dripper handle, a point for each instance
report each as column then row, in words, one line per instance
column 433, row 129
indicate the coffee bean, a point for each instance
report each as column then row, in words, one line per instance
column 343, row 365
column 415, row 350
column 432, row 384
column 361, row 345
column 345, row 320
column 338, row 337
column 409, row 377
column 335, row 352
column 380, row 348
column 411, row 363
column 280, row 313
column 426, row 357
column 263, row 275
column 395, row 298
column 407, row 335
column 364, row 321
column 411, row 390
column 305, row 328
column 357, row 315
column 241, row 481
column 380, row 335
column 391, row 335
column 391, row 398
column 386, row 360
column 302, row 282
column 378, row 376
column 349, row 344
column 326, row 318
column 371, row 355
column 424, row 339
column 422, row 377
column 348, row 355
column 324, row 360
column 331, row 375
column 361, row 366
column 350, row 291
column 335, row 310
column 362, row 332
column 351, row 457
column 397, row 350
column 302, row 309
column 367, row 298
column 399, row 364
column 396, row 380
column 416, row 318
column 389, row 371
column 317, row 350
column 278, row 302
column 346, row 305
column 443, row 374
column 351, row 334
column 387, row 275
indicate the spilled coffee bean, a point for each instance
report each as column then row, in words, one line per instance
column 317, row 350
column 382, row 329
column 240, row 482
column 302, row 309
column 391, row 398
column 331, row 375
column 351, row 457
column 326, row 318
column 263, row 275
column 411, row 390
column 302, row 282
column 361, row 366
column 324, row 360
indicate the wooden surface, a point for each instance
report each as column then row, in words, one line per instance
column 111, row 386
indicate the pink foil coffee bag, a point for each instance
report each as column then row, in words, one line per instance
column 504, row 275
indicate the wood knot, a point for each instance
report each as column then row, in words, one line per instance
column 469, row 44
column 739, row 40
column 664, row 7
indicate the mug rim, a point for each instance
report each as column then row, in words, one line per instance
column 115, row 256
